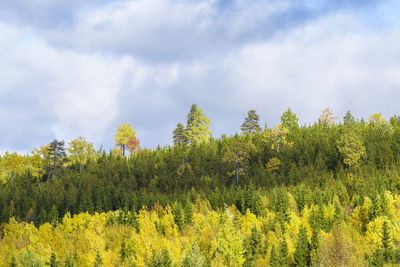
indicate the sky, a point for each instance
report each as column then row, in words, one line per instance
column 81, row 68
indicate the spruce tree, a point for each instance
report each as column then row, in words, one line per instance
column 386, row 243
column 302, row 252
column 179, row 135
column 53, row 260
column 98, row 261
column 283, row 258
column 250, row 124
column 273, row 258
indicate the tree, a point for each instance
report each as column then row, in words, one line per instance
column 13, row 163
column 179, row 135
column 283, row 257
column 53, row 260
column 38, row 161
column 198, row 126
column 250, row 124
column 237, row 157
column 302, row 252
column 348, row 119
column 386, row 243
column 56, row 155
column 194, row 257
column 81, row 151
column 278, row 137
column 273, row 165
column 124, row 132
column 352, row 148
column 327, row 118
column 162, row 259
column 273, row 258
column 133, row 145
column 289, row 120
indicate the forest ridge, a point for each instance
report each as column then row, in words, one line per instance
column 326, row 194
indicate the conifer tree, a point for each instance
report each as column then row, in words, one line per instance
column 56, row 156
column 250, row 124
column 273, row 258
column 179, row 135
column 198, row 126
column 386, row 243
column 53, row 260
column 348, row 119
column 283, row 258
column 302, row 252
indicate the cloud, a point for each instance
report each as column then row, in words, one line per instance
column 146, row 62
column 50, row 93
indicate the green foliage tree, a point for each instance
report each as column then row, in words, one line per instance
column 162, row 259
column 81, row 151
column 302, row 252
column 289, row 120
column 250, row 124
column 352, row 149
column 193, row 257
column 98, row 260
column 53, row 260
column 56, row 156
column 348, row 119
column 179, row 135
column 283, row 258
column 198, row 126
column 386, row 241
column 273, row 259
column 236, row 157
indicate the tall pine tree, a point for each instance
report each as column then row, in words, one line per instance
column 250, row 124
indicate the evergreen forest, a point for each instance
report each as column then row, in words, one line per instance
column 323, row 194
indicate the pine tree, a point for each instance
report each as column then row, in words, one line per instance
column 250, row 124
column 179, row 135
column 302, row 252
column 56, row 157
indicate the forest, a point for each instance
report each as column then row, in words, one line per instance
column 323, row 194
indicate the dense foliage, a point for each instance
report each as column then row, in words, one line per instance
column 323, row 194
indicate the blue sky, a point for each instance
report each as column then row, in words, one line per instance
column 81, row 68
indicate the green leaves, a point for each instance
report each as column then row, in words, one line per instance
column 352, row 149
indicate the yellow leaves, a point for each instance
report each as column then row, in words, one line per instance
column 124, row 133
column 273, row 165
column 81, row 151
column 277, row 137
column 327, row 118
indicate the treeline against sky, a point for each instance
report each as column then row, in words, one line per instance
column 323, row 181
